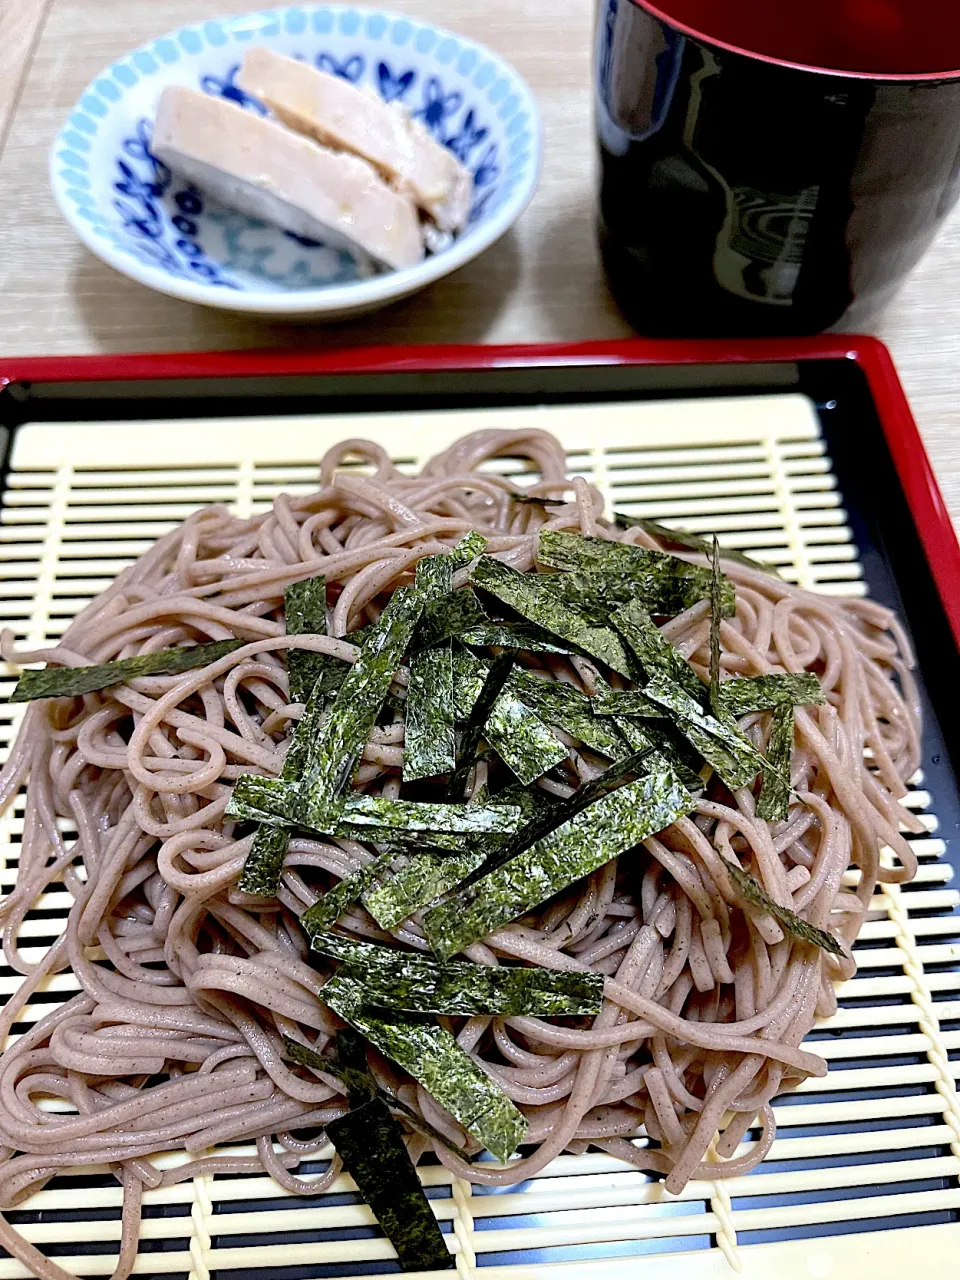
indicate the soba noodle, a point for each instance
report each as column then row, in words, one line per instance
column 187, row 984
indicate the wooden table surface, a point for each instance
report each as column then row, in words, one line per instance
column 542, row 282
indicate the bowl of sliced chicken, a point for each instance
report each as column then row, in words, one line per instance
column 308, row 162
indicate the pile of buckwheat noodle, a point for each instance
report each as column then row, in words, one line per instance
column 187, row 985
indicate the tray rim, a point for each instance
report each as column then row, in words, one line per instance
column 920, row 486
column 796, row 1255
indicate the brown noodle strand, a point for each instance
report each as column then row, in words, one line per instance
column 185, row 978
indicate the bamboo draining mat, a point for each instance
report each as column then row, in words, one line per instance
column 863, row 1178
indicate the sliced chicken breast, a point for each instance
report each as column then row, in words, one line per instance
column 339, row 114
column 265, row 170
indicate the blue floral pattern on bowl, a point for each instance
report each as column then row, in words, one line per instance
column 134, row 212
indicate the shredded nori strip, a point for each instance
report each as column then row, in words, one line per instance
column 432, row 1057
column 410, row 815
column 72, row 682
column 275, row 801
column 340, row 739
column 549, row 817
column 609, row 827
column 570, row 710
column 407, row 980
column 789, row 921
column 486, row 698
column 528, row 500
column 746, row 694
column 441, row 842
column 424, row 877
column 722, row 745
column 323, row 915
column 304, row 1056
column 689, row 541
column 448, row 618
column 716, row 616
column 269, row 800
column 530, row 595
column 261, row 871
column 430, row 746
column 657, row 656
column 666, row 750
column 350, row 1071
column 521, row 636
column 305, row 607
column 470, row 547
column 371, row 1146
column 305, row 610
column 626, row 702
column 353, row 1069
column 666, row 584
column 476, row 690
column 773, row 804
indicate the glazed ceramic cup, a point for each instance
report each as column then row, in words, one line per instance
column 771, row 166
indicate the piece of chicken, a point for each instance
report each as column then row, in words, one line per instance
column 339, row 114
column 263, row 169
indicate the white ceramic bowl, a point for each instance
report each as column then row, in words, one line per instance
column 132, row 212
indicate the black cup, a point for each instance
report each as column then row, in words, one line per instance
column 772, row 166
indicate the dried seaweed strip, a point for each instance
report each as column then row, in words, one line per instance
column 476, row 688
column 303, row 734
column 520, row 636
column 430, row 745
column 594, row 593
column 416, row 983
column 513, row 730
column 689, row 541
column 271, row 800
column 304, row 674
column 570, row 710
column 528, row 500
column 72, row 682
column 424, row 877
column 773, row 804
column 305, row 607
column 440, row 842
column 626, row 702
column 664, row 749
column 305, row 612
column 548, row 817
column 429, row 748
column 536, row 993
column 608, row 828
column 371, row 1145
column 521, row 739
column 530, row 596
column 340, row 739
column 304, row 1056
column 716, row 616
column 754, row 893
column 722, row 745
column 470, row 547
column 656, row 655
column 433, row 1058
column 666, row 584
column 448, row 618
column 747, row 694
column 347, row 1071
column 411, row 815
column 264, row 864
column 327, row 911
